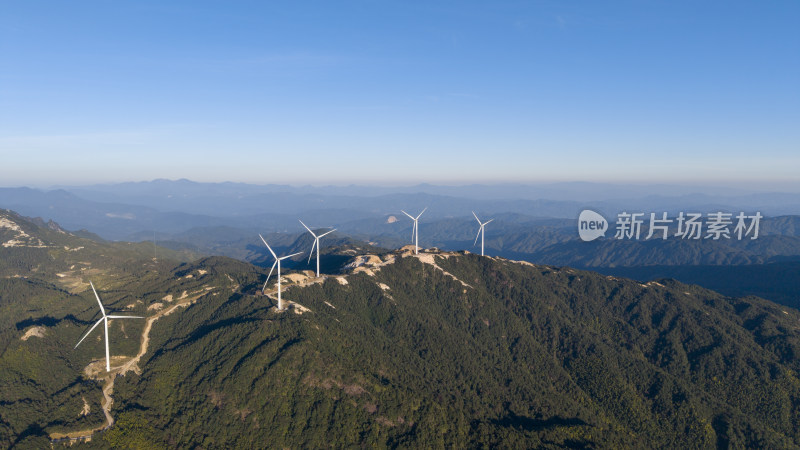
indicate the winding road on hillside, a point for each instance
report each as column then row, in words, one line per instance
column 95, row 370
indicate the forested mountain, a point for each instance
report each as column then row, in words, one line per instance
column 672, row 252
column 434, row 350
column 45, row 305
column 777, row 281
column 465, row 351
column 32, row 248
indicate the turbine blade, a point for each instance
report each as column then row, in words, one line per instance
column 327, row 232
column 268, row 247
column 90, row 330
column 309, row 229
column 103, row 310
column 476, row 236
column 487, row 222
column 426, row 208
column 476, row 217
column 409, row 215
column 270, row 274
column 293, row 254
column 125, row 317
column 413, row 230
column 311, row 252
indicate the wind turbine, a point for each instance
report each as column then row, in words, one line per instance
column 415, row 230
column 278, row 262
column 481, row 230
column 315, row 244
column 105, row 320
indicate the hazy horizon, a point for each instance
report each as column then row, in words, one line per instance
column 732, row 188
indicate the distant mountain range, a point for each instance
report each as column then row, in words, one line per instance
column 150, row 191
column 118, row 211
column 226, row 218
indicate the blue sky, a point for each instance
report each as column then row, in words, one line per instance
column 400, row 92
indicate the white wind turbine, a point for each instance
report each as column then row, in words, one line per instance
column 315, row 244
column 481, row 230
column 105, row 320
column 415, row 230
column 278, row 262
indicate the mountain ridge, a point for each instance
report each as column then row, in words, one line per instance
column 375, row 300
column 441, row 348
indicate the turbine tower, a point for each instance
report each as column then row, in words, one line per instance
column 278, row 262
column 315, row 244
column 481, row 230
column 105, row 320
column 415, row 230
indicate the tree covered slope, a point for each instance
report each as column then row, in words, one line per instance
column 460, row 350
column 45, row 306
column 434, row 350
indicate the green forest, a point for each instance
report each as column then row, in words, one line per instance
column 440, row 350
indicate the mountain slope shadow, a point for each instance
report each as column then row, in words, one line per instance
column 530, row 424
